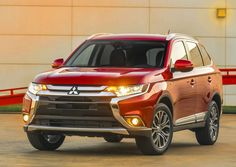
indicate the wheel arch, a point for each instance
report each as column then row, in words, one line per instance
column 217, row 98
column 167, row 100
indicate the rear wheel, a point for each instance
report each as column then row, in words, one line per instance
column 161, row 135
column 45, row 141
column 209, row 134
column 113, row 138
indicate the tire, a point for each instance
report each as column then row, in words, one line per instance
column 162, row 132
column 42, row 141
column 113, row 138
column 209, row 134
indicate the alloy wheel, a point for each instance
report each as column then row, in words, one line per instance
column 161, row 129
column 214, row 123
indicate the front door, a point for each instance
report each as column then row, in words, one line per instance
column 182, row 88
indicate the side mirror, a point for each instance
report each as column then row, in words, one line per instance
column 183, row 65
column 57, row 63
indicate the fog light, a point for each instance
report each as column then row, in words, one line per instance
column 134, row 121
column 25, row 118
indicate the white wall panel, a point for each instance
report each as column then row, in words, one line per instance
column 216, row 49
column 230, row 3
column 188, row 3
column 231, row 52
column 37, row 2
column 90, row 20
column 230, row 90
column 33, row 49
column 122, row 3
column 196, row 22
column 230, row 100
column 19, row 75
column 35, row 20
column 231, row 23
column 35, row 32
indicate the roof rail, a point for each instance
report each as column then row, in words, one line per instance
column 176, row 35
column 98, row 34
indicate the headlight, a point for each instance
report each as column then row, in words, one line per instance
column 127, row 90
column 35, row 88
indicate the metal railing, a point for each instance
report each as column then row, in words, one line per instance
column 228, row 76
column 12, row 96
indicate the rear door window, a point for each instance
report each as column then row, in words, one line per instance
column 195, row 55
column 205, row 56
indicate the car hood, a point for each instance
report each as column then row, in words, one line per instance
column 99, row 76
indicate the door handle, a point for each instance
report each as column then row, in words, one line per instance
column 209, row 79
column 192, row 82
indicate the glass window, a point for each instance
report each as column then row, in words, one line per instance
column 84, row 57
column 178, row 52
column 155, row 57
column 195, row 55
column 205, row 56
column 114, row 53
column 105, row 58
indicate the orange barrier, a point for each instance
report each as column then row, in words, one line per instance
column 228, row 76
column 12, row 96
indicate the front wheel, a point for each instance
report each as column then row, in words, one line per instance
column 113, row 138
column 161, row 135
column 209, row 134
column 45, row 141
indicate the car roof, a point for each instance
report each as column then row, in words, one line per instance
column 159, row 37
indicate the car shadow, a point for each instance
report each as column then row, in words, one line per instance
column 119, row 149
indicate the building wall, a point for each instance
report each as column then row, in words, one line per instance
column 35, row 32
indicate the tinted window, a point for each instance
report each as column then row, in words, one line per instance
column 178, row 52
column 119, row 54
column 85, row 56
column 206, row 58
column 105, row 58
column 155, row 57
column 195, row 55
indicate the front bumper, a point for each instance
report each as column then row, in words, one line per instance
column 124, row 129
column 31, row 128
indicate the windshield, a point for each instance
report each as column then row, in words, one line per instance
column 136, row 54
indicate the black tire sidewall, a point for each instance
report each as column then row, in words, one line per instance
column 39, row 142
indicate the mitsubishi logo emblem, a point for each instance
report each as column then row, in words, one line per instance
column 74, row 91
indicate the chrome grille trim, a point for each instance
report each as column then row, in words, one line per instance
column 80, row 88
column 65, row 93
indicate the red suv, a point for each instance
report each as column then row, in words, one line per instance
column 128, row 85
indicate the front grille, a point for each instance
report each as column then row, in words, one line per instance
column 74, row 106
column 75, row 111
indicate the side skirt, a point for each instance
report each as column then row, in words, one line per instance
column 189, row 126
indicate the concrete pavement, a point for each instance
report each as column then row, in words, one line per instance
column 83, row 151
